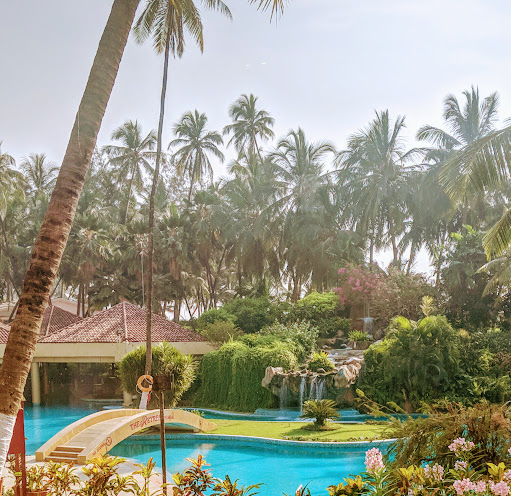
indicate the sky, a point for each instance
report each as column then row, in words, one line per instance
column 325, row 65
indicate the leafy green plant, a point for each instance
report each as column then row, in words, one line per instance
column 221, row 331
column 427, row 439
column 227, row 488
column 358, row 336
column 320, row 361
column 302, row 335
column 103, row 478
column 230, row 378
column 415, row 363
column 167, row 360
column 251, row 314
column 213, row 316
column 320, row 411
column 146, row 472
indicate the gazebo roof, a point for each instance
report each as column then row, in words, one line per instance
column 124, row 322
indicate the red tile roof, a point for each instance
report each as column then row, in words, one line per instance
column 54, row 319
column 120, row 323
column 4, row 332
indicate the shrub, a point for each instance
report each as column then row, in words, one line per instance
column 428, row 439
column 221, row 331
column 399, row 293
column 320, row 411
column 214, row 315
column 320, row 361
column 322, row 310
column 358, row 336
column 415, row 362
column 356, row 285
column 251, row 314
column 166, row 360
column 231, row 377
column 302, row 334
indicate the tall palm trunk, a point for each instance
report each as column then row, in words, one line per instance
column 58, row 220
column 149, row 304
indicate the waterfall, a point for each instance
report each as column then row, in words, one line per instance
column 312, row 393
column 283, row 393
column 303, row 387
column 320, row 388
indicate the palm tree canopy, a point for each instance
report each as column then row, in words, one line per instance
column 249, row 124
column 178, row 16
column 476, row 119
column 39, row 172
column 195, row 143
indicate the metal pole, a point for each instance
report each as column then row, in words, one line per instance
column 162, row 442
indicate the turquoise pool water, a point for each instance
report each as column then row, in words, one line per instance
column 287, row 415
column 282, row 468
column 41, row 423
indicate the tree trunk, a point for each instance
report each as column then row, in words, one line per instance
column 58, row 220
column 150, row 249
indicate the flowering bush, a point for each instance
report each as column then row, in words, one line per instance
column 356, row 284
column 434, row 479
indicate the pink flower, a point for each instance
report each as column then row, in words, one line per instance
column 507, row 476
column 480, row 487
column 460, row 465
column 509, row 451
column 459, row 445
column 435, row 472
column 374, row 461
column 463, row 486
column 341, row 270
column 499, row 488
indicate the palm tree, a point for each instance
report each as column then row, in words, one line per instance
column 375, row 164
column 196, row 143
column 252, row 228
column 476, row 119
column 40, row 174
column 12, row 185
column 300, row 167
column 10, row 179
column 131, row 158
column 248, row 125
column 165, row 21
column 481, row 167
column 54, row 232
column 466, row 125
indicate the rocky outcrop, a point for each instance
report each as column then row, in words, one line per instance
column 296, row 386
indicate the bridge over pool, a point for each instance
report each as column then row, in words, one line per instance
column 96, row 434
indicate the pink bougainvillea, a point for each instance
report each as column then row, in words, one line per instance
column 356, row 284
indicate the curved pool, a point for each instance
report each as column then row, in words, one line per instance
column 282, row 467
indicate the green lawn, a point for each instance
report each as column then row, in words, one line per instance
column 293, row 431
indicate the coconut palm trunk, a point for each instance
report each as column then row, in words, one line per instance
column 58, row 220
column 150, row 255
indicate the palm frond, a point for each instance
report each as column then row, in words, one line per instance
column 498, row 239
column 482, row 164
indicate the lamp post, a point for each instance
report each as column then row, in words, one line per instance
column 161, row 384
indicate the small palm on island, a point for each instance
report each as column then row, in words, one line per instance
column 320, row 411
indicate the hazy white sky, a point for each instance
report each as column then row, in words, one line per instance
column 325, row 66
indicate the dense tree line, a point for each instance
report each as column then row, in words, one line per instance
column 287, row 216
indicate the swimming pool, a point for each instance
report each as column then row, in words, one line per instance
column 282, row 467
